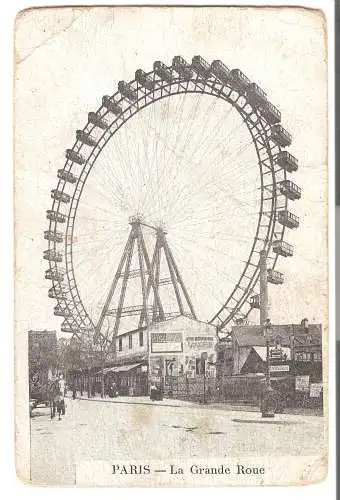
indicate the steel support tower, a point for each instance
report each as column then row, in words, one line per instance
column 149, row 272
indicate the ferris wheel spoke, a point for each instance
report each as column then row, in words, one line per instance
column 209, row 264
column 114, row 234
column 195, row 226
column 104, row 210
column 177, row 155
column 238, row 175
column 164, row 134
column 127, row 149
column 114, row 195
column 138, row 171
column 216, row 186
column 211, row 291
column 177, row 132
column 91, row 271
column 227, row 159
column 207, row 122
column 114, row 166
column 177, row 129
column 243, row 149
column 230, row 195
column 186, row 160
column 192, row 115
column 125, row 166
column 205, row 185
column 206, row 246
column 158, row 130
column 97, row 235
column 206, row 136
column 197, row 191
column 128, row 181
column 213, row 133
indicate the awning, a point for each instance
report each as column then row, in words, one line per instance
column 119, row 369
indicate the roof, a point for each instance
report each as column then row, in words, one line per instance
column 262, row 352
column 254, row 335
column 42, row 332
column 245, row 336
column 181, row 321
column 129, row 332
column 122, row 368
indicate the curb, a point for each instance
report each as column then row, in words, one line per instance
column 193, row 405
column 250, row 409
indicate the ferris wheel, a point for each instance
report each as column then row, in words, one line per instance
column 196, row 147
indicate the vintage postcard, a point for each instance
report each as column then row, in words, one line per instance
column 171, row 179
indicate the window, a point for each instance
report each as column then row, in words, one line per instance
column 141, row 338
column 220, row 356
column 130, row 341
column 317, row 356
column 120, row 344
column 303, row 356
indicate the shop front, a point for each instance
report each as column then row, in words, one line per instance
column 126, row 380
column 182, row 358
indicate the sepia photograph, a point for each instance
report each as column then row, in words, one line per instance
column 171, row 246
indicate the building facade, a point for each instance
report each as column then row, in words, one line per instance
column 42, row 361
column 295, row 357
column 177, row 355
column 182, row 356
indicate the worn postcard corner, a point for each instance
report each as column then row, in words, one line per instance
column 171, row 309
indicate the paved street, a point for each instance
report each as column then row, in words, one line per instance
column 106, row 430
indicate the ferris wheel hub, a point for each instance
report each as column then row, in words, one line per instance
column 138, row 218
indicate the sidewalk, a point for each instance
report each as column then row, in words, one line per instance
column 178, row 403
column 175, row 403
column 142, row 400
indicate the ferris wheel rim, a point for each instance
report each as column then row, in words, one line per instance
column 84, row 319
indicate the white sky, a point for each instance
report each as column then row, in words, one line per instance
column 72, row 58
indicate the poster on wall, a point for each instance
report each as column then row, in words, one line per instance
column 166, row 342
column 315, row 390
column 171, row 366
column 200, row 343
column 156, row 368
column 190, row 366
column 302, row 383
